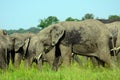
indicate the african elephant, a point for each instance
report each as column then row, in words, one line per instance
column 32, row 53
column 87, row 38
column 19, row 42
column 6, row 45
column 114, row 28
column 31, row 50
column 2, row 32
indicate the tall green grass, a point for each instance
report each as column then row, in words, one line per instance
column 75, row 72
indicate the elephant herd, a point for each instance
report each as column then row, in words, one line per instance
column 59, row 43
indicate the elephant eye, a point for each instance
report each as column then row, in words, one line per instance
column 46, row 48
column 46, row 45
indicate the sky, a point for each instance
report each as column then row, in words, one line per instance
column 16, row 14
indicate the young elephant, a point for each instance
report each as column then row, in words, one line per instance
column 19, row 42
column 88, row 38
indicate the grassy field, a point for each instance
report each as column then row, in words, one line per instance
column 75, row 72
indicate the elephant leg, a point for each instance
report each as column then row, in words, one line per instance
column 39, row 64
column 77, row 59
column 107, row 59
column 94, row 61
column 18, row 58
column 3, row 65
column 50, row 59
column 57, row 63
column 28, row 62
column 66, row 53
column 118, row 58
column 56, row 58
column 12, row 56
column 97, row 62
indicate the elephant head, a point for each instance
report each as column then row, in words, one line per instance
column 18, row 46
column 19, row 39
column 48, row 38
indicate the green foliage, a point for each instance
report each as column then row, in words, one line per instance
column 75, row 72
column 10, row 31
column 21, row 30
column 88, row 16
column 48, row 21
column 114, row 18
column 32, row 29
column 71, row 19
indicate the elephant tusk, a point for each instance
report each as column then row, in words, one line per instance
column 39, row 56
column 115, row 48
column 72, row 54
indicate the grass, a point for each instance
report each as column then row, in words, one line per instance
column 75, row 72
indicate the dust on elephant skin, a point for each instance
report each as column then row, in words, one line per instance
column 88, row 38
column 72, row 37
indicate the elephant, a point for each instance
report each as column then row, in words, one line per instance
column 86, row 38
column 19, row 42
column 114, row 28
column 6, row 45
column 118, row 47
column 31, row 49
column 32, row 53
column 2, row 32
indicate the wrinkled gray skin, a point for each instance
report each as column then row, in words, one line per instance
column 40, row 45
column 5, row 49
column 33, row 53
column 19, row 42
column 87, row 38
column 53, row 57
column 114, row 28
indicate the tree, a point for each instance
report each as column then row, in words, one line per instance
column 21, row 30
column 114, row 18
column 88, row 16
column 71, row 19
column 33, row 29
column 48, row 21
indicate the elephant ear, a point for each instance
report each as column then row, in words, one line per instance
column 57, row 32
column 26, row 45
column 18, row 44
